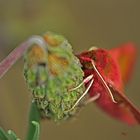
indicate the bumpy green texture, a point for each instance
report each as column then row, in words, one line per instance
column 51, row 73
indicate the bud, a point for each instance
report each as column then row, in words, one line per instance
column 51, row 72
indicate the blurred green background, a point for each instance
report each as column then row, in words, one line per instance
column 103, row 23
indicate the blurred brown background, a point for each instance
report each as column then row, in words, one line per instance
column 104, row 23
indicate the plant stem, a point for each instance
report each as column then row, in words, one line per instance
column 34, row 116
column 18, row 52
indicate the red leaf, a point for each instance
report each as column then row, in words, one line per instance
column 125, row 55
column 109, row 70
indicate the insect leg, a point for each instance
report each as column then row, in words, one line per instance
column 86, row 91
column 92, row 99
column 86, row 80
column 100, row 76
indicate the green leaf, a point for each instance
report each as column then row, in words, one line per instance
column 36, row 130
column 34, row 120
column 10, row 135
column 3, row 134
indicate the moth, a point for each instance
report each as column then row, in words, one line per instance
column 104, row 69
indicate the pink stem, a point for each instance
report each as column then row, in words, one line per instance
column 7, row 63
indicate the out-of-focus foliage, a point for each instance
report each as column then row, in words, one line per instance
column 10, row 135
